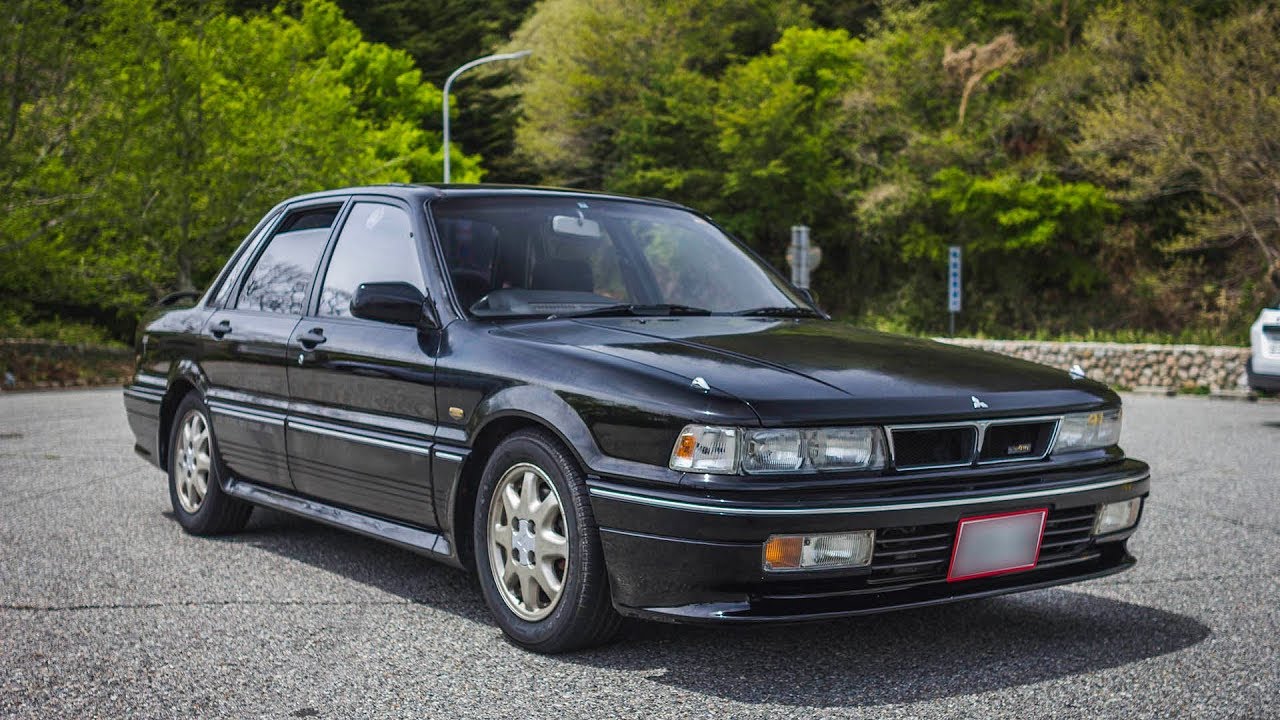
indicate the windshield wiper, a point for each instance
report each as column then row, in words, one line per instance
column 633, row 309
column 781, row 312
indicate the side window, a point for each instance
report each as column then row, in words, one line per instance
column 375, row 245
column 281, row 278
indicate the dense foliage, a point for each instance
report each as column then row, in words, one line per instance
column 1107, row 166
column 143, row 143
column 1103, row 165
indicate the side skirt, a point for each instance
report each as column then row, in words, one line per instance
column 426, row 542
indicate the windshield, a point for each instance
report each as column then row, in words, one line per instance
column 522, row 256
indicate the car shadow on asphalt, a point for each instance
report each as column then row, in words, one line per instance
column 901, row 657
column 408, row 575
column 904, row 657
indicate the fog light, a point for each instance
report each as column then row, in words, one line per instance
column 819, row 552
column 1115, row 517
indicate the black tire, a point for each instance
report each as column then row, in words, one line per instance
column 584, row 615
column 217, row 513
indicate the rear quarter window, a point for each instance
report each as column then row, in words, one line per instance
column 281, row 276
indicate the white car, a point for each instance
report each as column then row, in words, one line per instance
column 1264, row 366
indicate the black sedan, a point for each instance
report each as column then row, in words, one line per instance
column 608, row 407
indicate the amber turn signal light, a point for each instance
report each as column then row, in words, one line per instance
column 828, row 551
column 684, row 449
column 782, row 552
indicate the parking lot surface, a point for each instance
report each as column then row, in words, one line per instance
column 107, row 609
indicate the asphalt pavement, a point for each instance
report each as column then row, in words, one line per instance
column 107, row 609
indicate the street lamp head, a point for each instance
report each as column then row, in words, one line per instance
column 449, row 82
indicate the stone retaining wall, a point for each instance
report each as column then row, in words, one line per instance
column 35, row 363
column 1123, row 365
column 43, row 363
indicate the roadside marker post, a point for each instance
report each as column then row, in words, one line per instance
column 953, row 285
column 803, row 256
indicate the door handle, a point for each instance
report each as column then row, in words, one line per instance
column 312, row 338
column 221, row 329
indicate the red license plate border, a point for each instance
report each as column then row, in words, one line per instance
column 955, row 547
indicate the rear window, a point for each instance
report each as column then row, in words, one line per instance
column 281, row 277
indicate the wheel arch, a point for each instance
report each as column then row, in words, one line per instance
column 184, row 378
column 487, row 437
column 502, row 413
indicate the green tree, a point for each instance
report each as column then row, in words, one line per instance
column 778, row 122
column 441, row 35
column 187, row 127
column 1202, row 118
column 601, row 70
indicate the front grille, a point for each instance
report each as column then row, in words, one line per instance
column 929, row 447
column 911, row 555
column 1017, row 441
column 1068, row 534
column 917, row 447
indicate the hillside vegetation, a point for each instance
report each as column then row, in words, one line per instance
column 1109, row 167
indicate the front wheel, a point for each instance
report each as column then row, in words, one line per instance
column 538, row 553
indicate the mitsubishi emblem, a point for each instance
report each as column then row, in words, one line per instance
column 977, row 404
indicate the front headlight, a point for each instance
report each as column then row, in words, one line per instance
column 1088, row 431
column 854, row 448
column 722, row 450
column 773, row 451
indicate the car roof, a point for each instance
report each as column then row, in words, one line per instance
column 441, row 190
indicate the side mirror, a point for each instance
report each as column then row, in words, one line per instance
column 393, row 302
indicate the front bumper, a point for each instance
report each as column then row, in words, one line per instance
column 689, row 557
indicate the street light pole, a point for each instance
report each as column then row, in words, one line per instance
column 454, row 76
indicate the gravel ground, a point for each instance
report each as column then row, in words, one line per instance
column 108, row 610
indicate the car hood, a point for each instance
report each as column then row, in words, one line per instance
column 809, row 371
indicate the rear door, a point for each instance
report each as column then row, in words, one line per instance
column 362, row 413
column 244, row 343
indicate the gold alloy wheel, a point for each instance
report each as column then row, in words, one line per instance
column 191, row 461
column 528, row 542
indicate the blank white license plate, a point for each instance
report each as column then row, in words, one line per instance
column 997, row 544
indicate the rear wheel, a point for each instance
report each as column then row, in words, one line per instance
column 538, row 553
column 195, row 471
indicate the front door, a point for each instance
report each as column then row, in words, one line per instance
column 244, row 345
column 362, row 413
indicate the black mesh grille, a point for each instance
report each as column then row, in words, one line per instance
column 937, row 446
column 922, row 553
column 1021, row 441
column 1068, row 534
column 910, row 554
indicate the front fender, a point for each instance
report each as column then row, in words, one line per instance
column 553, row 411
